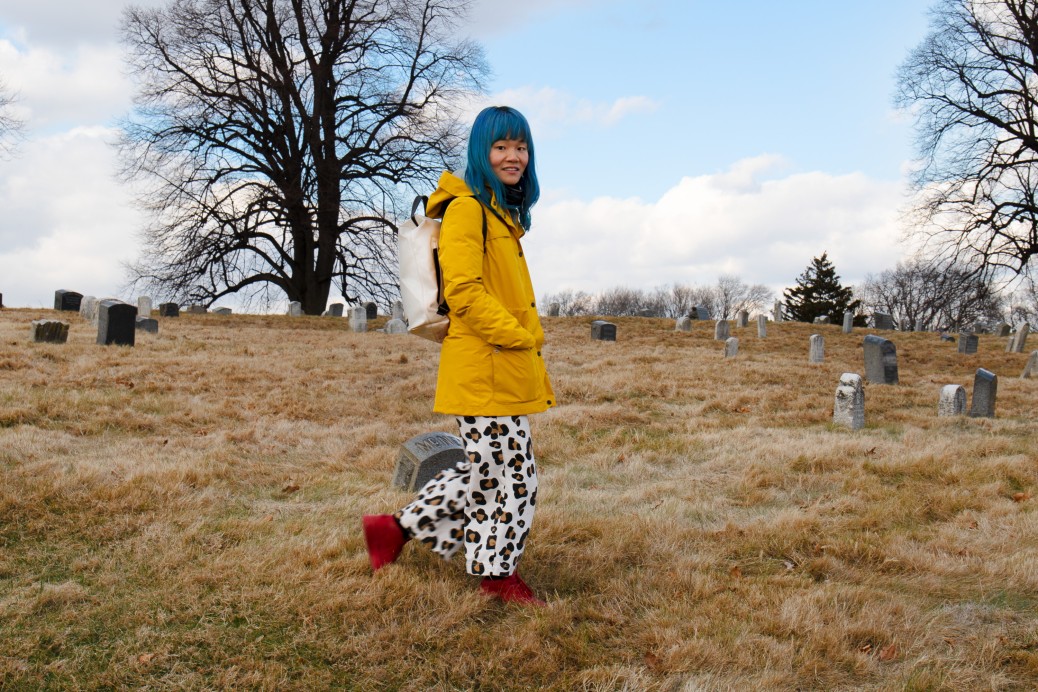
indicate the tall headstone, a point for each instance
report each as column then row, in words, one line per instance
column 1031, row 369
column 334, row 310
column 147, row 324
column 423, row 456
column 920, row 326
column 880, row 360
column 721, row 330
column 67, row 300
column 603, row 331
column 169, row 310
column 1, row 301
column 985, row 388
column 776, row 311
column 882, row 320
column 742, row 319
column 554, row 309
column 848, row 322
column 143, row 306
column 731, row 347
column 1002, row 329
column 1019, row 340
column 762, row 326
column 968, row 343
column 683, row 324
column 952, row 401
column 295, row 309
column 849, row 406
column 371, row 311
column 398, row 310
column 49, row 331
column 88, row 309
column 116, row 323
column 816, row 353
column 358, row 316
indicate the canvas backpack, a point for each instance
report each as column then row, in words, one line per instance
column 421, row 281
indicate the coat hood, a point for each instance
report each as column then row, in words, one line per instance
column 452, row 186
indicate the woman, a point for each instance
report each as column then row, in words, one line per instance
column 491, row 372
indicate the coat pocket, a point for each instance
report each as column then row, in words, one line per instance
column 516, row 375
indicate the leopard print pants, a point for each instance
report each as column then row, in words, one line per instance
column 485, row 503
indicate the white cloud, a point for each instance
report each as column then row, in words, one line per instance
column 67, row 23
column 551, row 111
column 763, row 230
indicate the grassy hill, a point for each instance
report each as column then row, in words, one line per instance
column 186, row 514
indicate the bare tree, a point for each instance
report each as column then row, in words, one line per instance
column 937, row 296
column 971, row 86
column 277, row 139
column 730, row 295
column 10, row 125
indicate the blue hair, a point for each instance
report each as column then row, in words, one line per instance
column 492, row 124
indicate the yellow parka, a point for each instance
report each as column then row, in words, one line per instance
column 490, row 361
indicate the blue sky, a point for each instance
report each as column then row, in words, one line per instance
column 676, row 140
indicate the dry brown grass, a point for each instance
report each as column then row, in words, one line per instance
column 702, row 524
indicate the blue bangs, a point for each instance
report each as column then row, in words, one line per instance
column 491, row 125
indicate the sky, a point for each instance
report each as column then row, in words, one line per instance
column 676, row 140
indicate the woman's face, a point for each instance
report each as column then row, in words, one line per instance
column 508, row 159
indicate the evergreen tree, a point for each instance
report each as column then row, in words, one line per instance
column 819, row 292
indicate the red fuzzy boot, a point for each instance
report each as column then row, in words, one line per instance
column 511, row 589
column 384, row 539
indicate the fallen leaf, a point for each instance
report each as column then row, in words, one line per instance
column 888, row 653
column 735, row 571
column 145, row 658
column 1020, row 497
column 290, row 488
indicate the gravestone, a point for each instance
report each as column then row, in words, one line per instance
column 816, row 352
column 762, row 326
column 371, row 311
column 1002, row 329
column 395, row 326
column 116, row 323
column 295, row 309
column 822, row 319
column 334, row 310
column 721, row 330
column 700, row 312
column 169, row 310
column 49, row 331
column 398, row 310
column 1019, row 340
column 683, row 324
column 742, row 319
column 554, row 309
column 1, row 301
column 952, row 401
column 905, row 325
column 848, row 322
column 849, row 405
column 985, row 388
column 603, row 331
column 358, row 317
column 143, row 306
column 968, row 343
column 776, row 311
column 731, row 347
column 1031, row 369
column 197, row 309
column 948, row 337
column 920, row 326
column 425, row 455
column 880, row 360
column 223, row 311
column 88, row 309
column 67, row 300
column 882, row 320
column 147, row 324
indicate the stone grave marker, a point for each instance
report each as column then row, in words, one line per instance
column 952, row 401
column 67, row 300
column 848, row 322
column 1031, row 369
column 920, row 326
column 882, row 320
column 116, row 323
column 1002, row 329
column 776, row 311
column 358, row 317
column 223, row 311
column 968, row 343
column 742, row 319
column 169, row 310
column 683, row 324
column 425, row 455
column 143, row 306
column 146, row 324
column 371, row 311
column 395, row 326
column 295, row 309
column 197, row 309
column 603, row 331
column 398, row 310
column 334, row 310
column 554, row 309
column 1, row 301
column 948, row 337
column 762, row 326
column 731, row 347
column 904, row 325
column 1019, row 340
column 849, row 405
column 822, row 319
column 88, row 309
column 880, row 360
column 49, row 331
column 700, row 312
column 721, row 330
column 816, row 351
column 985, row 388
